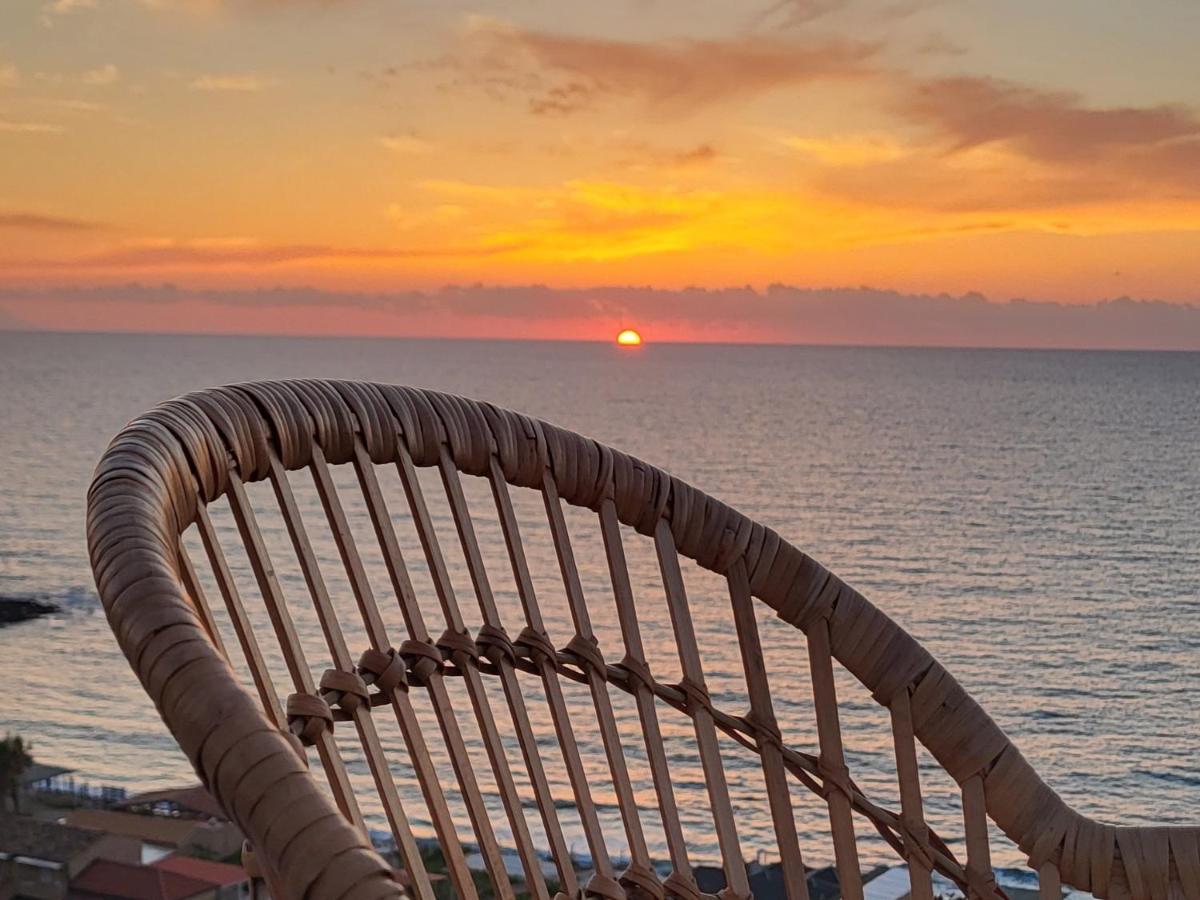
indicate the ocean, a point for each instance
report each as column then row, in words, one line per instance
column 1032, row 517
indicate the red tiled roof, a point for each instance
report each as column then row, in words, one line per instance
column 125, row 881
column 215, row 873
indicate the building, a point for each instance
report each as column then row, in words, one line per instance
column 108, row 880
column 230, row 882
column 162, row 835
column 39, row 859
column 41, row 777
column 193, row 802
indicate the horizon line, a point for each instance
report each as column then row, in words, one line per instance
column 597, row 341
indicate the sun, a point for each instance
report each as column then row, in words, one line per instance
column 629, row 338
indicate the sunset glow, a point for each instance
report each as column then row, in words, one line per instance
column 365, row 149
column 629, row 338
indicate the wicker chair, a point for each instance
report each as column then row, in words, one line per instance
column 158, row 478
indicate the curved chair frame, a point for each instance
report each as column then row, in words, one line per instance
column 160, row 472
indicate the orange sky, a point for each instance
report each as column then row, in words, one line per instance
column 1050, row 152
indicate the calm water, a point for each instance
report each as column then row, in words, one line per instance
column 1032, row 517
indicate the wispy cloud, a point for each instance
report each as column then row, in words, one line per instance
column 1056, row 126
column 28, row 221
column 102, row 75
column 407, row 144
column 248, row 83
column 240, row 253
column 58, row 8
column 12, row 126
column 848, row 149
column 794, row 13
column 558, row 74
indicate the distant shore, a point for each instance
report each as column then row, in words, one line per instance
column 14, row 610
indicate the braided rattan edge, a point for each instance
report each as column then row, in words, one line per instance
column 159, row 468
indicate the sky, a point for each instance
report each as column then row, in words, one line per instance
column 847, row 171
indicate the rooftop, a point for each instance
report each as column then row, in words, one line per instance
column 215, row 873
column 193, row 799
column 105, row 878
column 24, row 836
column 40, row 772
column 164, row 830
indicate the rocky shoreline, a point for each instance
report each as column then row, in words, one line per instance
column 14, row 610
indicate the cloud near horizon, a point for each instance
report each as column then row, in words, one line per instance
column 30, row 221
column 778, row 314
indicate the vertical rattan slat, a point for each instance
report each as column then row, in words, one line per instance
column 346, row 689
column 425, row 667
column 981, row 881
column 834, row 774
column 464, row 654
column 700, row 709
column 762, row 719
column 638, row 671
column 584, row 651
column 914, row 831
column 498, row 648
column 293, row 653
column 535, row 643
column 195, row 590
column 1049, row 882
column 406, row 717
column 241, row 622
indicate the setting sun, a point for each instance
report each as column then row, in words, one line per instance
column 629, row 338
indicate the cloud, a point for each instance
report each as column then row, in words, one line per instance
column 9, row 75
column 794, row 13
column 11, row 126
column 407, row 144
column 58, row 8
column 559, row 74
column 1054, row 126
column 103, row 75
column 797, row 12
column 249, row 83
column 976, row 144
column 848, row 149
column 27, row 221
column 780, row 313
column 235, row 253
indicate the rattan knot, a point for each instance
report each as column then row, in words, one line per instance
column 695, row 695
column 641, row 882
column 423, row 660
column 679, row 886
column 452, row 642
column 535, row 645
column 344, row 690
column 308, row 717
column 981, row 885
column 916, row 843
column 494, row 645
column 765, row 731
column 383, row 670
column 603, row 886
column 835, row 778
column 637, row 672
column 585, row 653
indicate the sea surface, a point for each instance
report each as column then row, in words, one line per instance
column 1032, row 517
